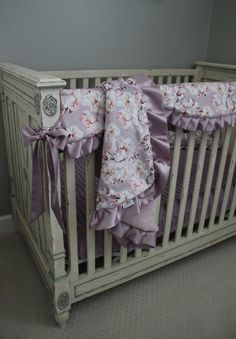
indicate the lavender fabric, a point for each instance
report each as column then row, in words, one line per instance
column 132, row 158
column 49, row 141
column 200, row 106
column 137, row 227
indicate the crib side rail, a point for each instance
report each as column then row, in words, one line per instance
column 92, row 78
column 29, row 98
column 209, row 71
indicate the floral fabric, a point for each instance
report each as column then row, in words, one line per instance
column 82, row 113
column 203, row 99
column 133, row 173
column 127, row 161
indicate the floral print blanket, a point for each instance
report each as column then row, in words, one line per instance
column 127, row 177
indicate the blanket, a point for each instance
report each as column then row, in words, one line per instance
column 135, row 162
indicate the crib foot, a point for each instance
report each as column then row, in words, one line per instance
column 62, row 318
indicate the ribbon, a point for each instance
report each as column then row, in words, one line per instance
column 53, row 138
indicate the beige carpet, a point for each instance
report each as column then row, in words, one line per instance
column 193, row 298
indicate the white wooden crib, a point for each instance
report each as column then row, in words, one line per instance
column 32, row 98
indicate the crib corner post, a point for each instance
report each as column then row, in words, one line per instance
column 199, row 75
column 62, row 302
column 47, row 100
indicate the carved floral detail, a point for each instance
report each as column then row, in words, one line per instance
column 50, row 105
column 63, row 301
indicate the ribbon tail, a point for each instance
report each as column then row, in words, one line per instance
column 37, row 196
column 53, row 167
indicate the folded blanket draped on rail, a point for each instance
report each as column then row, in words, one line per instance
column 131, row 117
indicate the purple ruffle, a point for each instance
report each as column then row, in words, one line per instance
column 81, row 148
column 201, row 123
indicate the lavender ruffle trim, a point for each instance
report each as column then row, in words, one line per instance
column 81, row 148
column 201, row 123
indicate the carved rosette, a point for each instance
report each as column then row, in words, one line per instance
column 63, row 301
column 50, row 105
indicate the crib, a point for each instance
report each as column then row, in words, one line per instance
column 33, row 98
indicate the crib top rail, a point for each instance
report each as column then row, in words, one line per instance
column 29, row 76
column 209, row 71
column 110, row 73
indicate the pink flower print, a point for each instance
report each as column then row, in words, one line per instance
column 107, row 85
column 135, row 186
column 131, row 81
column 125, row 196
column 75, row 134
column 109, row 104
column 112, row 130
column 231, row 104
column 203, row 90
column 145, row 142
column 124, row 119
column 88, row 118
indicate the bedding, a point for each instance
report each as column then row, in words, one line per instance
column 81, row 202
column 132, row 116
column 135, row 160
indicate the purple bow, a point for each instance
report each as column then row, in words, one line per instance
column 54, row 138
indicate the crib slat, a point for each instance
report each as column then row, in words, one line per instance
column 233, row 204
column 137, row 253
column 107, row 249
column 17, row 129
column 158, row 206
column 109, row 79
column 197, row 183
column 71, row 217
column 19, row 115
column 186, row 78
column 72, row 83
column 97, row 81
column 42, row 236
column 14, row 151
column 228, row 184
column 209, row 178
column 8, row 141
column 178, row 79
column 123, row 254
column 220, row 177
column 169, row 80
column 85, row 83
column 185, row 186
column 160, row 80
column 90, row 206
column 172, row 186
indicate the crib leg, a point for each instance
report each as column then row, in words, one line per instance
column 62, row 318
column 62, row 302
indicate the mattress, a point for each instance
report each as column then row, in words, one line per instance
column 99, row 235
